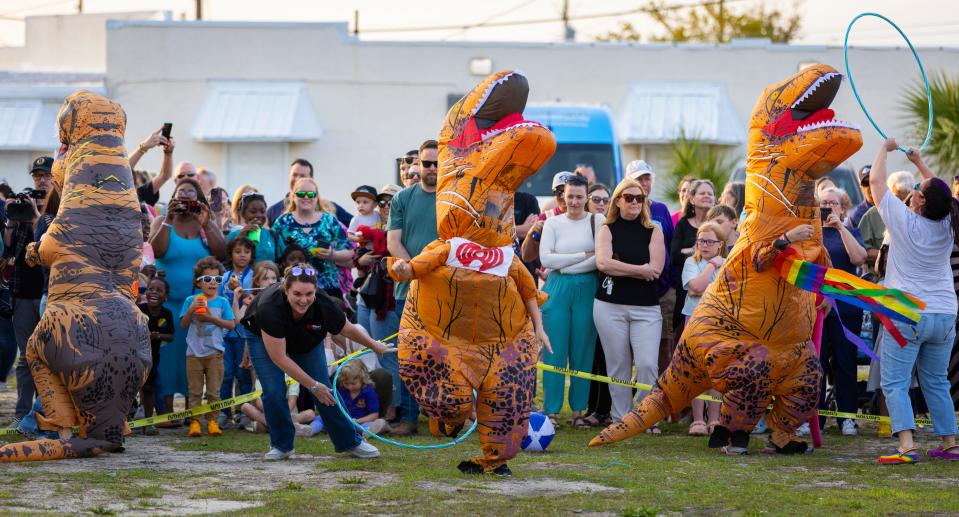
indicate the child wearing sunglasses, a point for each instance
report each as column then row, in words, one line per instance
column 698, row 272
column 205, row 315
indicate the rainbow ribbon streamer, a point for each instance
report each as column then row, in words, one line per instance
column 836, row 284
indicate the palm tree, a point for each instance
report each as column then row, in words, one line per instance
column 943, row 149
column 697, row 158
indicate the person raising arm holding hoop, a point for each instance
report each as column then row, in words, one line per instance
column 289, row 322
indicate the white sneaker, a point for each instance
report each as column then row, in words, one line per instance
column 803, row 430
column 364, row 450
column 849, row 428
column 276, row 454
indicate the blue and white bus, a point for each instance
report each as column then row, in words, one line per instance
column 584, row 135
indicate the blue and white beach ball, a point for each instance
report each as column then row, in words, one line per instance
column 540, row 433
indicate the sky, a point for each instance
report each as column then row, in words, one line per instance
column 926, row 22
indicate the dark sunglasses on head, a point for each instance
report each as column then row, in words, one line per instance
column 303, row 271
column 599, row 199
column 427, row 164
column 634, row 198
column 252, row 195
column 217, row 279
column 305, row 193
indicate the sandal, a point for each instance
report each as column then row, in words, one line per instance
column 596, row 420
column 579, row 422
column 910, row 455
column 654, row 430
column 698, row 428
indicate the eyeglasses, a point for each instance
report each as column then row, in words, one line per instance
column 707, row 242
column 599, row 199
column 383, row 203
column 829, row 203
column 217, row 279
column 305, row 193
column 429, row 164
column 634, row 198
column 302, row 271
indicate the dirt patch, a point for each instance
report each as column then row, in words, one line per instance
column 204, row 482
column 520, row 488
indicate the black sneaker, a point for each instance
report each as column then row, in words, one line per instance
column 503, row 471
column 470, row 467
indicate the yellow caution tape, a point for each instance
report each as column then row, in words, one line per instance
column 647, row 387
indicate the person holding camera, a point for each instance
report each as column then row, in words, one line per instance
column 27, row 282
column 187, row 233
column 149, row 192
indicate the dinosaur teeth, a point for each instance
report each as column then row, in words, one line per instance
column 828, row 123
column 814, row 86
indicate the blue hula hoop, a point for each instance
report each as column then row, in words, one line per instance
column 363, row 430
column 852, row 82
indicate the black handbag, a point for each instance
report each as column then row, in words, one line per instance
column 373, row 290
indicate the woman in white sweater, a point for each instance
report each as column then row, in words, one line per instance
column 567, row 248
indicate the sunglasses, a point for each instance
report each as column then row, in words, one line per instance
column 428, row 164
column 599, row 199
column 303, row 271
column 558, row 191
column 186, row 175
column 215, row 279
column 634, row 198
column 407, row 159
column 411, row 175
column 304, row 193
column 707, row 242
column 383, row 203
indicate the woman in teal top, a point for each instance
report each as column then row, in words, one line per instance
column 252, row 213
column 186, row 234
column 318, row 232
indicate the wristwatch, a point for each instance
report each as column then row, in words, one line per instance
column 314, row 387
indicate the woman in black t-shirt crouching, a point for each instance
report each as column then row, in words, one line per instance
column 290, row 321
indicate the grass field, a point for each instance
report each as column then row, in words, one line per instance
column 649, row 475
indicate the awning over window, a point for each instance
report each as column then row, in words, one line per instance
column 28, row 125
column 248, row 111
column 656, row 112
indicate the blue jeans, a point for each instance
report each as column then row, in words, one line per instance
column 928, row 347
column 381, row 329
column 275, row 408
column 409, row 410
column 233, row 346
column 8, row 348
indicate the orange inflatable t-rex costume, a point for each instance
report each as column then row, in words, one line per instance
column 91, row 350
column 465, row 326
column 749, row 338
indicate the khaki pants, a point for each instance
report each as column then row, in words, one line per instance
column 204, row 371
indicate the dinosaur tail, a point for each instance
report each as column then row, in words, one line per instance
column 47, row 449
column 682, row 381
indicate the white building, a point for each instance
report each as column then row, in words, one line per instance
column 247, row 98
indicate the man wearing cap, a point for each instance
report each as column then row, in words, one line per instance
column 530, row 247
column 642, row 172
column 866, row 197
column 27, row 284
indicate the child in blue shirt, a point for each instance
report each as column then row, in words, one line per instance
column 239, row 274
column 205, row 315
column 356, row 390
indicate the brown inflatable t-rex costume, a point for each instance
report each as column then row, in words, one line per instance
column 749, row 338
column 465, row 326
column 91, row 350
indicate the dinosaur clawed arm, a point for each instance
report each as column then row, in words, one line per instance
column 432, row 257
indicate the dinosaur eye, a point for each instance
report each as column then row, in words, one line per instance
column 775, row 94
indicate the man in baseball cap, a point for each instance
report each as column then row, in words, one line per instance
column 41, row 172
column 867, row 200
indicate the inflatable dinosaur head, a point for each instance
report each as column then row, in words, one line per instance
column 87, row 119
column 486, row 152
column 794, row 137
